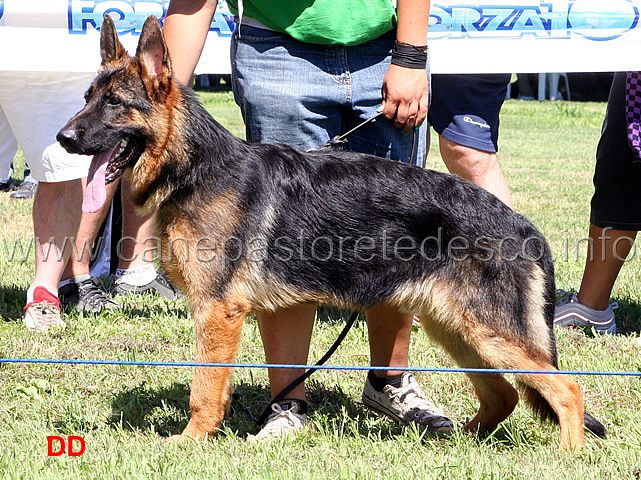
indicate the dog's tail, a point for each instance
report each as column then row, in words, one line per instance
column 593, row 425
column 542, row 408
column 531, row 396
column 537, row 403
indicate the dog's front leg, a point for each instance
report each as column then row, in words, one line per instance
column 218, row 334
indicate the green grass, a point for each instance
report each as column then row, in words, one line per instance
column 124, row 413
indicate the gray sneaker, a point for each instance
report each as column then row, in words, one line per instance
column 87, row 296
column 570, row 313
column 25, row 190
column 406, row 404
column 286, row 420
column 159, row 285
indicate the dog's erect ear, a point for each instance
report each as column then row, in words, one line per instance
column 152, row 50
column 111, row 50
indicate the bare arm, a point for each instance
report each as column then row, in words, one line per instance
column 406, row 90
column 186, row 28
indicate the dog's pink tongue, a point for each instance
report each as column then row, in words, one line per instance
column 96, row 192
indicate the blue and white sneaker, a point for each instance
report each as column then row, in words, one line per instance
column 570, row 313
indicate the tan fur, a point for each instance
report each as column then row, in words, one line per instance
column 218, row 332
column 535, row 306
column 476, row 346
column 148, row 167
column 270, row 294
column 189, row 255
column 456, row 309
column 497, row 399
column 473, row 345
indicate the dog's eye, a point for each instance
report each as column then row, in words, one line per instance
column 114, row 101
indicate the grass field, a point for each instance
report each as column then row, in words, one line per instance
column 124, row 413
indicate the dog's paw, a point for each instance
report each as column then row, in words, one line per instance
column 180, row 439
column 187, row 438
column 176, row 439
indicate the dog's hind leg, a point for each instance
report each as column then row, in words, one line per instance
column 552, row 396
column 497, row 400
column 218, row 335
column 496, row 396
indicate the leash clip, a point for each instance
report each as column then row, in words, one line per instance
column 341, row 139
column 337, row 140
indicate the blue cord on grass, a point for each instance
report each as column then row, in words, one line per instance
column 313, row 367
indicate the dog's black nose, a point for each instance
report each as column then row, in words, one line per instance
column 68, row 137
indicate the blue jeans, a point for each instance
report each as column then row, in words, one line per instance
column 304, row 94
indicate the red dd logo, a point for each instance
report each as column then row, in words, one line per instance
column 57, row 446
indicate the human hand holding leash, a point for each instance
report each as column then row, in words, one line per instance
column 405, row 86
column 405, row 97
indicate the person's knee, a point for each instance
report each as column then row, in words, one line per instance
column 69, row 187
column 469, row 163
column 53, row 195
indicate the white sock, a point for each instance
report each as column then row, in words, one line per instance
column 76, row 279
column 138, row 276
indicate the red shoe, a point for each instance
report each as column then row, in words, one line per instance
column 43, row 312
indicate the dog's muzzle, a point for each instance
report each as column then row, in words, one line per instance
column 68, row 138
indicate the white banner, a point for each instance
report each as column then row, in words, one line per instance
column 63, row 35
column 535, row 36
column 474, row 36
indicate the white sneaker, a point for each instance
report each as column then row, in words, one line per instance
column 406, row 404
column 570, row 313
column 43, row 312
column 285, row 420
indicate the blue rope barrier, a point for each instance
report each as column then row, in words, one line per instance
column 313, row 367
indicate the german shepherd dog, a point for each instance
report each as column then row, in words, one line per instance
column 281, row 227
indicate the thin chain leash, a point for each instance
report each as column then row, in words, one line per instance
column 342, row 139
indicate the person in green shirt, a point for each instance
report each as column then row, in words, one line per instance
column 303, row 72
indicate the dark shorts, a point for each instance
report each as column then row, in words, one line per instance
column 617, row 177
column 465, row 108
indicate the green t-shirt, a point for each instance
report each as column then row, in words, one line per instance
column 325, row 22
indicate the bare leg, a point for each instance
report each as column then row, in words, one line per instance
column 286, row 337
column 88, row 228
column 479, row 167
column 56, row 217
column 389, row 333
column 604, row 261
column 138, row 246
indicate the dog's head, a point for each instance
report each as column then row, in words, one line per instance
column 124, row 104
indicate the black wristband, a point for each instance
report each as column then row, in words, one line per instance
column 410, row 56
